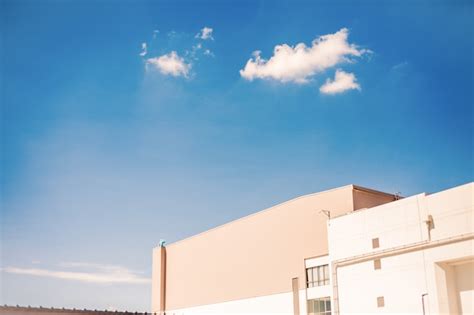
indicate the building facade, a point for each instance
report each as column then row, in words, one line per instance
column 415, row 255
column 310, row 256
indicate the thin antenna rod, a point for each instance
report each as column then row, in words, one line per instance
column 326, row 213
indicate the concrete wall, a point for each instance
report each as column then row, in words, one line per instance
column 420, row 266
column 464, row 278
column 257, row 255
column 367, row 198
column 281, row 303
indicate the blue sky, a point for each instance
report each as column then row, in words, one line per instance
column 105, row 151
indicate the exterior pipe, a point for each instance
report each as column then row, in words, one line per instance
column 163, row 280
column 423, row 301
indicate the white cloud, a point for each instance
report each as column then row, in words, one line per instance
column 299, row 63
column 104, row 268
column 104, row 274
column 343, row 81
column 400, row 66
column 170, row 64
column 208, row 52
column 144, row 50
column 205, row 33
column 192, row 54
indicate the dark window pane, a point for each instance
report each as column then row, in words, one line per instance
column 322, row 306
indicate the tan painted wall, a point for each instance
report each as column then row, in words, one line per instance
column 258, row 254
column 368, row 198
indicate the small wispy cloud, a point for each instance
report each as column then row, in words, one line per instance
column 172, row 34
column 399, row 66
column 197, row 50
column 102, row 274
column 144, row 50
column 170, row 64
column 103, row 267
column 208, row 52
column 299, row 63
column 343, row 81
column 205, row 33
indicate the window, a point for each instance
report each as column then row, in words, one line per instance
column 375, row 243
column 317, row 276
column 377, row 264
column 380, row 301
column 320, row 306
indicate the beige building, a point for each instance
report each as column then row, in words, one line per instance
column 254, row 261
column 384, row 255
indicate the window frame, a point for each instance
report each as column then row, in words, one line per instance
column 317, row 276
column 314, row 306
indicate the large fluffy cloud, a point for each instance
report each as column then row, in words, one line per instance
column 170, row 64
column 299, row 63
column 343, row 81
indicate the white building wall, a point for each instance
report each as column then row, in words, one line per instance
column 464, row 281
column 445, row 265
column 394, row 224
column 438, row 271
column 400, row 282
column 270, row 304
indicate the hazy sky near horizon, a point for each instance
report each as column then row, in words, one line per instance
column 126, row 122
